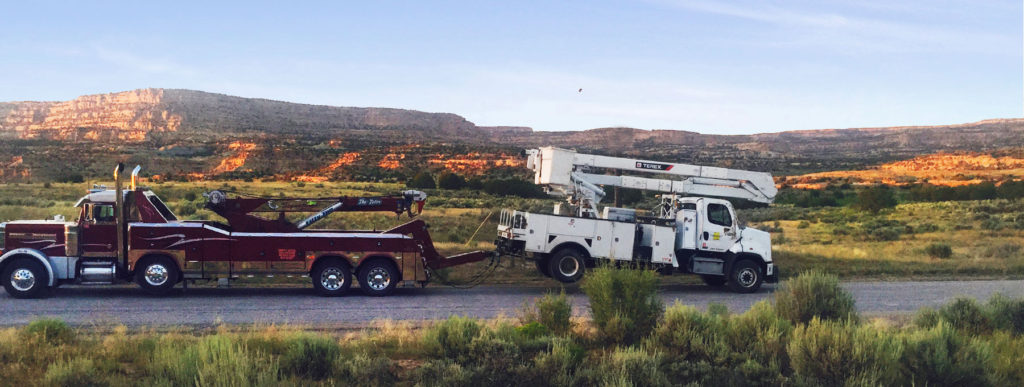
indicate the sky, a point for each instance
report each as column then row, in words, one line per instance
column 720, row 67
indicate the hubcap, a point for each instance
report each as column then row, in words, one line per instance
column 332, row 279
column 568, row 266
column 156, row 274
column 747, row 277
column 23, row 279
column 378, row 278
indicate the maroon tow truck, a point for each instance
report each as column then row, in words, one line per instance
column 131, row 235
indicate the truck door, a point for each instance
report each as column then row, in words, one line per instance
column 99, row 231
column 718, row 228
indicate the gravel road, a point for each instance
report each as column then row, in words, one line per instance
column 81, row 305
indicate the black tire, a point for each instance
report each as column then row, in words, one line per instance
column 378, row 278
column 26, row 278
column 746, row 277
column 157, row 275
column 543, row 265
column 567, row 266
column 714, row 280
column 331, row 277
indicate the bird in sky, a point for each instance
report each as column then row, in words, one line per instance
column 580, row 91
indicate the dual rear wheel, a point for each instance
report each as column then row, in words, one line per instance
column 333, row 277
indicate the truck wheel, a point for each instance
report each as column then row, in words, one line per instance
column 332, row 277
column 714, row 280
column 378, row 278
column 746, row 277
column 567, row 266
column 25, row 278
column 543, row 266
column 157, row 275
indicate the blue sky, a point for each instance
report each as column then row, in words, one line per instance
column 724, row 67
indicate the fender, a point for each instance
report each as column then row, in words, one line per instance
column 38, row 255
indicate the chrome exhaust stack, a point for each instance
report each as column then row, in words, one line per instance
column 119, row 214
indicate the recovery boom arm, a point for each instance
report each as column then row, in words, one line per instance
column 569, row 173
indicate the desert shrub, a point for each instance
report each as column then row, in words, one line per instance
column 1002, row 250
column 423, row 180
column 362, row 369
column 442, row 373
column 78, row 372
column 835, row 353
column 966, row 315
column 874, row 199
column 216, row 360
column 1006, row 314
column 759, row 335
column 940, row 356
column 686, row 334
column 449, row 180
column 993, row 224
column 803, row 224
column 450, row 338
column 309, row 357
column 926, row 227
column 779, row 239
column 626, row 366
column 939, row 250
column 814, row 294
column 494, row 360
column 551, row 311
column 624, row 303
column 718, row 309
column 1007, row 352
column 51, row 331
column 557, row 367
column 882, row 230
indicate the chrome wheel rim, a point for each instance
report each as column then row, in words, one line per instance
column 378, row 278
column 156, row 274
column 23, row 279
column 747, row 277
column 568, row 266
column 332, row 279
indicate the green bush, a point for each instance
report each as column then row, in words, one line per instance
column 627, row 366
column 51, row 331
column 939, row 250
column 557, row 367
column 310, row 357
column 422, row 180
column 449, row 180
column 216, row 360
column 874, row 199
column 835, row 353
column 814, row 294
column 624, row 303
column 1006, row 314
column 803, row 224
column 942, row 357
column 966, row 315
column 364, row 370
column 552, row 311
column 451, row 338
column 993, row 224
column 443, row 373
column 78, row 372
column 882, row 230
column 1002, row 250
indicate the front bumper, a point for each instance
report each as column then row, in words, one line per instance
column 772, row 278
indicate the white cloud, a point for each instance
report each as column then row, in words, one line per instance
column 840, row 31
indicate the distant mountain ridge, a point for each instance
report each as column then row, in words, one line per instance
column 139, row 114
column 201, row 125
